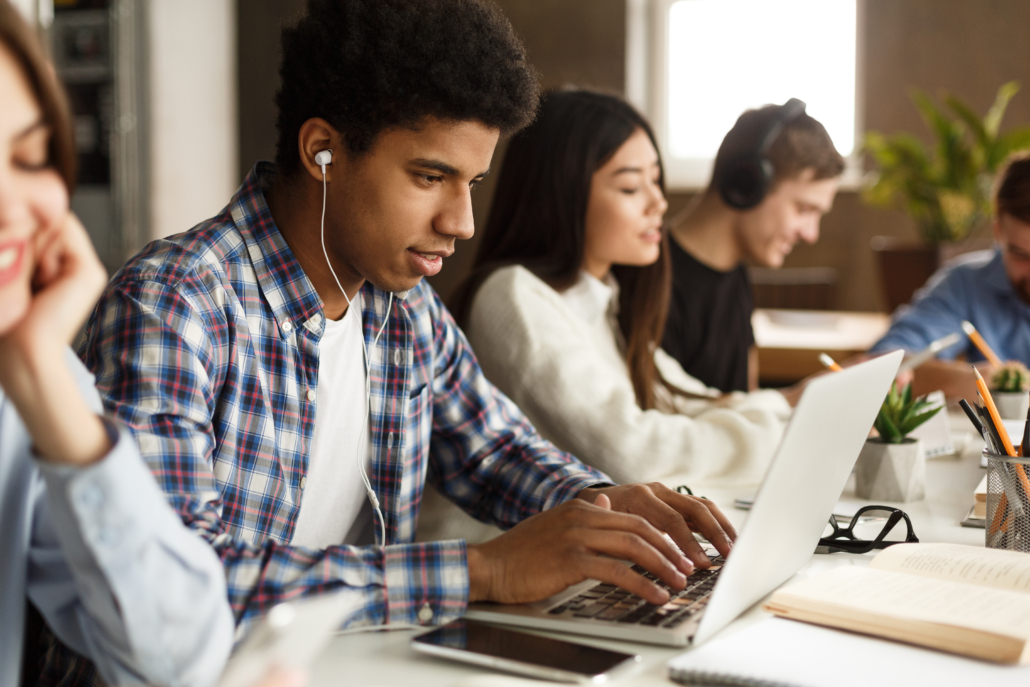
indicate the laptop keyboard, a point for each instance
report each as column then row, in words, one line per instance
column 610, row 603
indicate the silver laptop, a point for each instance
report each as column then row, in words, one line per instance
column 803, row 483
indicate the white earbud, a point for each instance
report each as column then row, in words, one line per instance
column 323, row 158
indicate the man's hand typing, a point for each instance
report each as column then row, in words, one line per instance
column 677, row 514
column 587, row 537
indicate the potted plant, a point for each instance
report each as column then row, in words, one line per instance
column 1010, row 384
column 892, row 466
column 945, row 187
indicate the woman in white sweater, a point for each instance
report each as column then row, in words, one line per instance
column 568, row 299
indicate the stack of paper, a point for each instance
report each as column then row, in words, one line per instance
column 980, row 499
column 977, row 516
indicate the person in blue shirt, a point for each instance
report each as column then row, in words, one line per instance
column 752, row 213
column 990, row 289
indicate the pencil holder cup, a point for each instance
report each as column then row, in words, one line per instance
column 891, row 472
column 1012, row 405
column 1008, row 502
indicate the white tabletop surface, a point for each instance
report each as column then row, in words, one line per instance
column 384, row 658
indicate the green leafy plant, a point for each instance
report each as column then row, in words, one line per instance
column 1012, row 377
column 900, row 414
column 944, row 187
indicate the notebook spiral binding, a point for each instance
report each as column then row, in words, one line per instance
column 703, row 678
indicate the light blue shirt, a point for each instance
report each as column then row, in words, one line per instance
column 972, row 287
column 107, row 562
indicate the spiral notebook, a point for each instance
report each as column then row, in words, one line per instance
column 765, row 651
column 703, row 678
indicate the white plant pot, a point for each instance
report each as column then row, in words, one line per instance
column 1012, row 405
column 891, row 472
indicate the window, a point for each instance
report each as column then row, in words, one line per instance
column 694, row 65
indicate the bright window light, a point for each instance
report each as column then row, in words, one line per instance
column 727, row 56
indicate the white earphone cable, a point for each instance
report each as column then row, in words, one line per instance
column 373, row 499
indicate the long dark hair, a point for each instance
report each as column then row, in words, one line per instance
column 21, row 41
column 538, row 218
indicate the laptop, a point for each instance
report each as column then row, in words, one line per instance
column 801, row 487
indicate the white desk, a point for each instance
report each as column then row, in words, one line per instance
column 385, row 658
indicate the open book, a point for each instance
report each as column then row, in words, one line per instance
column 964, row 599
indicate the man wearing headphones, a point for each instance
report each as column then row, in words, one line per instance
column 775, row 176
column 294, row 383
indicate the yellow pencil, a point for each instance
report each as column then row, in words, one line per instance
column 992, row 409
column 1006, row 442
column 979, row 342
column 829, row 362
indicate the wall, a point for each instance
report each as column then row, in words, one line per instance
column 969, row 48
column 194, row 120
column 259, row 54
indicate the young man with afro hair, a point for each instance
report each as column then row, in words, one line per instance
column 242, row 352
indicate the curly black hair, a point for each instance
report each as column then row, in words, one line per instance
column 368, row 65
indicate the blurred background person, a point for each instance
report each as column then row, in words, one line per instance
column 747, row 216
column 89, row 540
column 567, row 301
column 988, row 288
column 566, row 304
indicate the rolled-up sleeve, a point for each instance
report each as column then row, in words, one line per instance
column 120, row 579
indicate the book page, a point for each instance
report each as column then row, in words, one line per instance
column 970, row 564
column 897, row 595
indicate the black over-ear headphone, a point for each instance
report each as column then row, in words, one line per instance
column 747, row 177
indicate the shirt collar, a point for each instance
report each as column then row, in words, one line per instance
column 591, row 298
column 996, row 277
column 284, row 285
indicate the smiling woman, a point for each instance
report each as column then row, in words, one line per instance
column 567, row 301
column 84, row 525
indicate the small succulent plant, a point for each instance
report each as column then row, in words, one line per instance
column 1012, row 377
column 900, row 414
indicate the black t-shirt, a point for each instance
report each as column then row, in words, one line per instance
column 709, row 327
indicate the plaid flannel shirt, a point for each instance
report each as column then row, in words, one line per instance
column 206, row 346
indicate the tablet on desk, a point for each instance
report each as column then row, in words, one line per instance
column 523, row 653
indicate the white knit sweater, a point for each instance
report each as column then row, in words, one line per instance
column 557, row 355
column 558, row 368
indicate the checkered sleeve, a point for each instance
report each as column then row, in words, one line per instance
column 485, row 454
column 160, row 351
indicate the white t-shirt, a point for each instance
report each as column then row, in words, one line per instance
column 334, row 507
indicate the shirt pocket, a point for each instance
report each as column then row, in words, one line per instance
column 419, row 425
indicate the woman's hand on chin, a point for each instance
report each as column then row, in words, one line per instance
column 67, row 281
column 34, row 373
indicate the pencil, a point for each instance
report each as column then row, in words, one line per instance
column 990, row 431
column 1025, row 446
column 979, row 342
column 971, row 414
column 829, row 362
column 996, row 419
column 992, row 409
